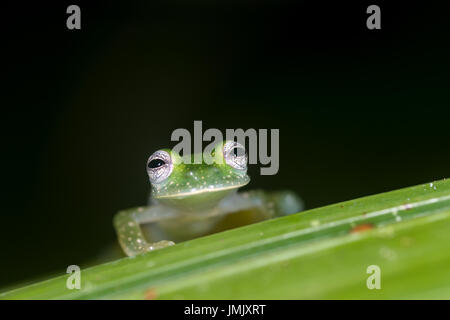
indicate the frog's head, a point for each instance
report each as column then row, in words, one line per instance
column 180, row 182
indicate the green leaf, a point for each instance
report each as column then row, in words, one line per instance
column 317, row 254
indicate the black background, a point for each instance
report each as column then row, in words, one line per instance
column 359, row 111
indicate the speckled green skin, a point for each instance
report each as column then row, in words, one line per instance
column 198, row 199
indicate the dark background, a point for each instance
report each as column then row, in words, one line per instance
column 359, row 111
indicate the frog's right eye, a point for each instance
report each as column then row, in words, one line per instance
column 155, row 163
column 159, row 166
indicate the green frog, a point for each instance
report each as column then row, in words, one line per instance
column 190, row 200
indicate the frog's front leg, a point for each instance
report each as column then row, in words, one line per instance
column 269, row 204
column 274, row 203
column 131, row 238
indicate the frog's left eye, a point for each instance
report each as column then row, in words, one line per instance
column 235, row 155
column 159, row 166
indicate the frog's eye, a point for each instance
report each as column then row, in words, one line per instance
column 235, row 156
column 155, row 163
column 159, row 166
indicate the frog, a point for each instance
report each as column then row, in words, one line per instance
column 191, row 199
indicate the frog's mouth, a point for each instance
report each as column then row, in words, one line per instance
column 204, row 199
column 207, row 190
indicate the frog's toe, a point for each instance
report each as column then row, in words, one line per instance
column 167, row 243
column 160, row 245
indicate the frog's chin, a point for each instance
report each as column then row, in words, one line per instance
column 194, row 192
column 198, row 199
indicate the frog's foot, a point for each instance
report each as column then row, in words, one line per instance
column 159, row 245
column 131, row 239
column 286, row 202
